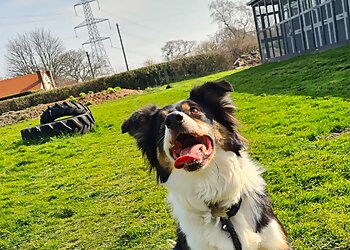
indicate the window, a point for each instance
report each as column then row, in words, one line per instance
column 294, row 7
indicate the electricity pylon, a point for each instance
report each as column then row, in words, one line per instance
column 98, row 52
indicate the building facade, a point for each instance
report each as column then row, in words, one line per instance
column 41, row 80
column 290, row 27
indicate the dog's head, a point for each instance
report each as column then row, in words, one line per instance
column 185, row 135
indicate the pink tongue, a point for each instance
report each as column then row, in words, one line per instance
column 189, row 155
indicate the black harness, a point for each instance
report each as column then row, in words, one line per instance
column 227, row 225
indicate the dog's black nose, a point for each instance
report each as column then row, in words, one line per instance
column 174, row 120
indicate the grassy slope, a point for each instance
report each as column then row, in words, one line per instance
column 92, row 191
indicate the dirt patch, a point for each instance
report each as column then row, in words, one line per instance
column 31, row 113
column 106, row 95
column 336, row 135
column 247, row 60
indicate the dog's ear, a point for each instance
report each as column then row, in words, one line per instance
column 141, row 125
column 145, row 125
column 215, row 96
column 211, row 91
column 139, row 120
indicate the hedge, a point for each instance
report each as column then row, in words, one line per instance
column 151, row 76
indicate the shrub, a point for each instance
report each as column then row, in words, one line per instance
column 110, row 90
column 72, row 98
column 82, row 95
column 142, row 78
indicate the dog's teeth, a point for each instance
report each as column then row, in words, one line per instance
column 201, row 150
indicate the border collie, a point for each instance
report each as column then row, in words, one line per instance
column 216, row 191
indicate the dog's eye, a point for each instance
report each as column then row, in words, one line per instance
column 194, row 110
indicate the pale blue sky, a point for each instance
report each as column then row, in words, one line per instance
column 145, row 25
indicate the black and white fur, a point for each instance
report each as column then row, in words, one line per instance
column 225, row 175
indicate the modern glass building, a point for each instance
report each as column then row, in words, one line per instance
column 290, row 27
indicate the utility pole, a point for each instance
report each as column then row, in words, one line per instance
column 92, row 72
column 121, row 43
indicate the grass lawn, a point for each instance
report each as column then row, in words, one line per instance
column 94, row 191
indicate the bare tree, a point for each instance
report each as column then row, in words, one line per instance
column 236, row 17
column 32, row 51
column 48, row 50
column 75, row 66
column 177, row 49
column 38, row 49
column 149, row 62
column 236, row 30
column 20, row 57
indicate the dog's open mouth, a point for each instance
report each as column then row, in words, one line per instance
column 191, row 151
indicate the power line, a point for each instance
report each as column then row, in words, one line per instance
column 178, row 14
column 140, row 54
column 35, row 21
column 34, row 16
column 115, row 47
column 137, row 37
column 137, row 24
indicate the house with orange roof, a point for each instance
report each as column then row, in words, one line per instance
column 41, row 80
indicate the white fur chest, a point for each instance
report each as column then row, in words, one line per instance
column 224, row 181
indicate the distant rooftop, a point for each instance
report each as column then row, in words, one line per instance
column 27, row 83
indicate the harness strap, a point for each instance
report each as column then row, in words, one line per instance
column 228, row 226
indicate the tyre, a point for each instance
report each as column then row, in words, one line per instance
column 62, row 109
column 81, row 122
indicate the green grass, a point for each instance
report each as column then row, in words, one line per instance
column 94, row 191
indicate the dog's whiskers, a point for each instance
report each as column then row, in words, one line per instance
column 160, row 140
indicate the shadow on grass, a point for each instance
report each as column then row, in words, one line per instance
column 38, row 141
column 319, row 75
column 42, row 140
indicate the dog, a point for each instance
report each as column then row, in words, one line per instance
column 216, row 191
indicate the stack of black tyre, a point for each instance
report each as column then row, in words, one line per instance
column 80, row 120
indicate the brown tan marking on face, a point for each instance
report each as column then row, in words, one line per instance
column 163, row 159
column 164, row 112
column 222, row 137
column 185, row 107
column 200, row 122
column 202, row 129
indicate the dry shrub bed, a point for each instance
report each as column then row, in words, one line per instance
column 31, row 113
